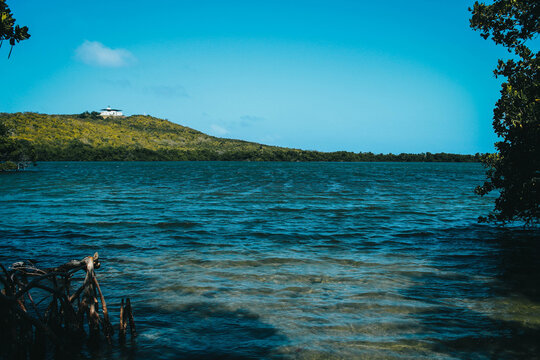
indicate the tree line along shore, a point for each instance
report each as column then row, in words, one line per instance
column 89, row 137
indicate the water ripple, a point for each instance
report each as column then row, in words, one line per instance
column 288, row 261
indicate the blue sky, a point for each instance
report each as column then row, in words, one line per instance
column 392, row 76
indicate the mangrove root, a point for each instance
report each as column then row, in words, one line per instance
column 40, row 314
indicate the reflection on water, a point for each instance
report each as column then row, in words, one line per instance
column 294, row 261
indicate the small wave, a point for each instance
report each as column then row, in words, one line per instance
column 43, row 234
column 415, row 234
column 119, row 246
column 108, row 201
column 106, row 224
column 286, row 209
column 291, row 237
column 176, row 224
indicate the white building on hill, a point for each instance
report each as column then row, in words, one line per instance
column 110, row 112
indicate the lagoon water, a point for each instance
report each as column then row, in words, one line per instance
column 287, row 260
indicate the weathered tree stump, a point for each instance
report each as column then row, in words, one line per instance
column 39, row 313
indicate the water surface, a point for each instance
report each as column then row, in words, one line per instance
column 287, row 260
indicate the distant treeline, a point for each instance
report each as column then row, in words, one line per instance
column 88, row 137
column 78, row 151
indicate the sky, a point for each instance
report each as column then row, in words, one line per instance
column 386, row 77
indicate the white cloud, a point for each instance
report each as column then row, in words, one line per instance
column 97, row 54
column 218, row 130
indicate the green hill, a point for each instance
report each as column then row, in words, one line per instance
column 88, row 137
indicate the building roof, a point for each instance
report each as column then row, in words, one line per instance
column 109, row 109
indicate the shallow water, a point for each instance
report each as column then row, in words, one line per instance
column 287, row 260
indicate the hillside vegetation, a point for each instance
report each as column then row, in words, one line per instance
column 88, row 137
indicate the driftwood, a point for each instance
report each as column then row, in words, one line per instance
column 39, row 314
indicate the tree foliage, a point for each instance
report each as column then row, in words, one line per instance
column 8, row 30
column 515, row 169
column 3, row 131
column 14, row 154
column 10, row 149
column 88, row 136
